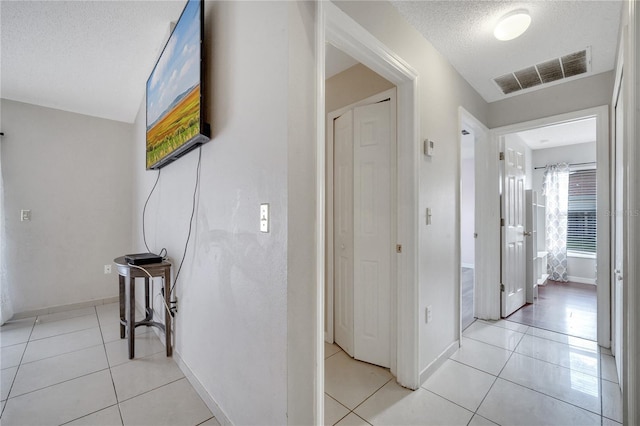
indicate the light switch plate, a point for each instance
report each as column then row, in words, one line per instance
column 264, row 217
column 25, row 215
column 428, row 147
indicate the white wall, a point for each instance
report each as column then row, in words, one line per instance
column 579, row 269
column 579, row 153
column 352, row 85
column 572, row 96
column 441, row 91
column 73, row 172
column 246, row 297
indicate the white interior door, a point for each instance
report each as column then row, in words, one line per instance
column 618, row 219
column 343, row 231
column 372, row 232
column 363, row 178
column 513, row 213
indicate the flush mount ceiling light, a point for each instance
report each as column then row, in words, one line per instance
column 512, row 25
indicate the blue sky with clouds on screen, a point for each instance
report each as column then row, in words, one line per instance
column 179, row 66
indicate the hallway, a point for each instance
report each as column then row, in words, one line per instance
column 505, row 373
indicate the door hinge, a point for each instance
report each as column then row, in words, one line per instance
column 501, row 221
column 475, row 235
column 501, row 287
column 398, row 248
column 501, row 156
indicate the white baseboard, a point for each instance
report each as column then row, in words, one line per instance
column 436, row 363
column 213, row 406
column 63, row 308
column 582, row 280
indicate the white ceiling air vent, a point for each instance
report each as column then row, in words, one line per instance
column 567, row 66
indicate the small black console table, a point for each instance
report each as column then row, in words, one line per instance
column 125, row 270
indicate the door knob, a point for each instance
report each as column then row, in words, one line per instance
column 527, row 233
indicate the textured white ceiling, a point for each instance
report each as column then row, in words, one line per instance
column 462, row 31
column 90, row 57
column 570, row 133
column 93, row 57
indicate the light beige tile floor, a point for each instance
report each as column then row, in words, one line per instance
column 72, row 368
column 504, row 373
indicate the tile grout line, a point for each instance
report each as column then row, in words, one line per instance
column 350, row 411
column 529, row 327
column 560, row 365
column 550, row 396
column 347, row 408
column 156, row 388
column 210, row 418
column 367, row 398
column 535, row 390
column 495, row 381
column 533, row 357
column 18, row 369
column 60, row 354
column 65, row 381
column 64, row 333
column 490, row 388
column 104, row 347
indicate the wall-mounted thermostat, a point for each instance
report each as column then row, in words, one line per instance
column 428, row 147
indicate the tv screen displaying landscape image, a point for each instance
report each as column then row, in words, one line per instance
column 174, row 110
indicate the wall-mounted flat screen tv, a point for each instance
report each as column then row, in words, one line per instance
column 175, row 122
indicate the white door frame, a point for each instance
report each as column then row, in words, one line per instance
column 336, row 27
column 601, row 114
column 487, row 215
column 629, row 59
column 329, row 308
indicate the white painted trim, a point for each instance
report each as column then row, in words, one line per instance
column 437, row 363
column 342, row 31
column 211, row 403
column 467, row 265
column 601, row 114
column 581, row 255
column 331, row 116
column 631, row 271
column 329, row 268
column 581, row 280
column 320, row 234
column 63, row 308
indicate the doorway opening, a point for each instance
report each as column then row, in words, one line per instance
column 342, row 32
column 360, row 333
column 560, row 280
column 361, row 271
column 467, row 225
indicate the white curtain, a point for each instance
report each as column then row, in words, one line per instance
column 556, row 190
column 6, row 308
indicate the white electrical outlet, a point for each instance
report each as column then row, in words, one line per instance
column 107, row 269
column 25, row 215
column 429, row 314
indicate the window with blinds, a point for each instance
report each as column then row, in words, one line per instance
column 581, row 223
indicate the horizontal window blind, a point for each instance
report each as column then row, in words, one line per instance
column 582, row 217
